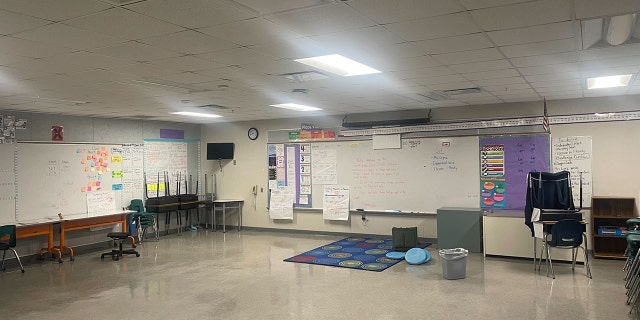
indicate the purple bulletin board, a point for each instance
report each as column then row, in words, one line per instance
column 504, row 164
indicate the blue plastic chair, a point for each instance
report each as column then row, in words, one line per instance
column 8, row 242
column 143, row 220
column 567, row 234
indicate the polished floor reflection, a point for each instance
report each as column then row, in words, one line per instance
column 241, row 275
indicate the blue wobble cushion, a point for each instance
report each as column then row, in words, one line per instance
column 428, row 255
column 395, row 255
column 416, row 256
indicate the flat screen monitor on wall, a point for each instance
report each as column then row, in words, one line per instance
column 220, row 151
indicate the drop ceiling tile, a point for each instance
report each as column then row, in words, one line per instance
column 384, row 11
column 324, row 19
column 136, row 51
column 250, row 32
column 479, row 4
column 553, row 76
column 610, row 63
column 9, row 90
column 547, row 32
column 481, row 66
column 469, row 56
column 190, row 63
column 454, row 44
column 6, row 59
column 292, row 48
column 421, row 73
column 357, row 39
column 436, row 27
column 145, row 69
column 596, row 8
column 11, row 22
column 552, row 68
column 504, row 73
column 522, row 98
column 51, row 65
column 189, row 42
column 507, row 87
column 125, row 24
column 12, row 75
column 264, row 7
column 548, row 59
column 558, row 83
column 499, row 81
column 62, row 10
column 611, row 52
column 31, row 49
column 540, row 48
column 88, row 59
column 236, row 56
column 67, row 36
column 563, row 95
column 611, row 71
column 523, row 14
column 185, row 77
column 548, row 90
column 198, row 14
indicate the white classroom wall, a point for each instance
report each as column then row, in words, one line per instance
column 615, row 153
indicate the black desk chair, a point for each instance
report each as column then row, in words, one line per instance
column 118, row 238
column 567, row 234
column 8, row 242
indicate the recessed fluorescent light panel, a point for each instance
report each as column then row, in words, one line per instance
column 339, row 65
column 196, row 114
column 608, row 82
column 295, row 106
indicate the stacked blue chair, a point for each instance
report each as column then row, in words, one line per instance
column 143, row 220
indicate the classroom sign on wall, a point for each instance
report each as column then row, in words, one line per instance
column 504, row 165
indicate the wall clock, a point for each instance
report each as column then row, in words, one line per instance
column 253, row 133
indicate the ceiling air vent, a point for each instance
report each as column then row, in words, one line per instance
column 303, row 76
column 214, row 107
column 457, row 92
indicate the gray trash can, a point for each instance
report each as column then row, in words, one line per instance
column 454, row 263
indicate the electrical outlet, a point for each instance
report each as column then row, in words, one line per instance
column 234, row 162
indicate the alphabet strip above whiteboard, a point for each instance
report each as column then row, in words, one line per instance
column 574, row 154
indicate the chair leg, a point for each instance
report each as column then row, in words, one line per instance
column 4, row 253
column 586, row 261
column 17, row 258
column 550, row 264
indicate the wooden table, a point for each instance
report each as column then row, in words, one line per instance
column 38, row 228
column 78, row 222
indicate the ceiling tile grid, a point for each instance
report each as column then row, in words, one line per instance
column 143, row 59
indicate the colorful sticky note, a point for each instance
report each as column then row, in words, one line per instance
column 116, row 186
column 89, row 157
column 83, row 189
column 83, row 161
column 116, row 174
column 86, row 169
column 98, row 183
column 88, row 189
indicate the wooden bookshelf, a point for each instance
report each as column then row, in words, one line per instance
column 610, row 212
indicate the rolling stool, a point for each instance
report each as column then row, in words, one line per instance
column 633, row 277
column 117, row 253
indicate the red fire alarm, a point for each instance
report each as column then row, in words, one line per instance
column 57, row 133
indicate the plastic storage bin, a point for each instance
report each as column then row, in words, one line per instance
column 454, row 263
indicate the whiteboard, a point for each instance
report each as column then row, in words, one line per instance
column 7, row 184
column 422, row 176
column 56, row 178
column 574, row 154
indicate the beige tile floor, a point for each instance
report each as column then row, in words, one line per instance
column 241, row 275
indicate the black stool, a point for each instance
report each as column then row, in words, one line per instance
column 117, row 253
